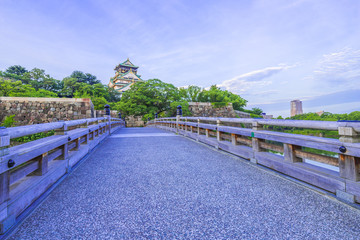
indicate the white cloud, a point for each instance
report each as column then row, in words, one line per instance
column 255, row 79
column 338, row 67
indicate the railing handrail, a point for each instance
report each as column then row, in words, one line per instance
column 20, row 131
column 311, row 124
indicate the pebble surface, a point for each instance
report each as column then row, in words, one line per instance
column 169, row 187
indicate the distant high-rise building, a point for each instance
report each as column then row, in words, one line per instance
column 296, row 108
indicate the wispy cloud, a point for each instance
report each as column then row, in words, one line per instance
column 338, row 67
column 250, row 80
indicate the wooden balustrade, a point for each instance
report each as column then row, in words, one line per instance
column 284, row 152
column 29, row 170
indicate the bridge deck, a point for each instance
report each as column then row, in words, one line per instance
column 146, row 183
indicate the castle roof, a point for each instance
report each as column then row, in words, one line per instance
column 129, row 75
column 126, row 63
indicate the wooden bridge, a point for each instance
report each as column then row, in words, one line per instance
column 155, row 182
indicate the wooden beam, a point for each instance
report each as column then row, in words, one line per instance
column 271, row 146
column 317, row 157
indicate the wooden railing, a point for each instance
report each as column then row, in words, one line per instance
column 295, row 155
column 27, row 171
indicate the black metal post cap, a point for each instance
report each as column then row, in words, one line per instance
column 107, row 109
column 156, row 115
column 11, row 163
column 179, row 110
column 342, row 149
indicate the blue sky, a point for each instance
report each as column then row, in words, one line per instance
column 269, row 52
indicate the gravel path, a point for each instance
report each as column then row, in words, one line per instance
column 151, row 185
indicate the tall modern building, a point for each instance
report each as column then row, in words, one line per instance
column 295, row 107
column 125, row 76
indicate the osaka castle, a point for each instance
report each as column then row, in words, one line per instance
column 125, row 76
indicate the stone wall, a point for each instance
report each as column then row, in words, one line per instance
column 101, row 113
column 132, row 121
column 29, row 110
column 205, row 109
column 242, row 114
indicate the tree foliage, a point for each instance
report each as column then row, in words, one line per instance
column 84, row 77
column 327, row 116
column 10, row 88
column 16, row 81
column 17, row 70
column 213, row 95
column 147, row 98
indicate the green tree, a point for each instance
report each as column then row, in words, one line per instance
column 40, row 80
column 70, row 86
column 99, row 103
column 17, row 70
column 7, row 87
column 112, row 95
column 84, row 77
column 257, row 111
column 190, row 94
column 173, row 108
column 147, row 98
column 354, row 115
column 215, row 94
column 17, row 89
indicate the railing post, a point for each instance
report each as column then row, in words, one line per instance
column 178, row 115
column 43, row 164
column 107, row 115
column 255, row 141
column 6, row 221
column 64, row 148
column 218, row 133
column 289, row 153
column 349, row 166
column 4, row 143
column 63, row 130
column 87, row 136
column 233, row 139
column 198, row 128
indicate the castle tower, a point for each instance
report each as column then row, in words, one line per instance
column 295, row 108
column 125, row 76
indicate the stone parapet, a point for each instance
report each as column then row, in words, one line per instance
column 28, row 110
column 206, row 109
